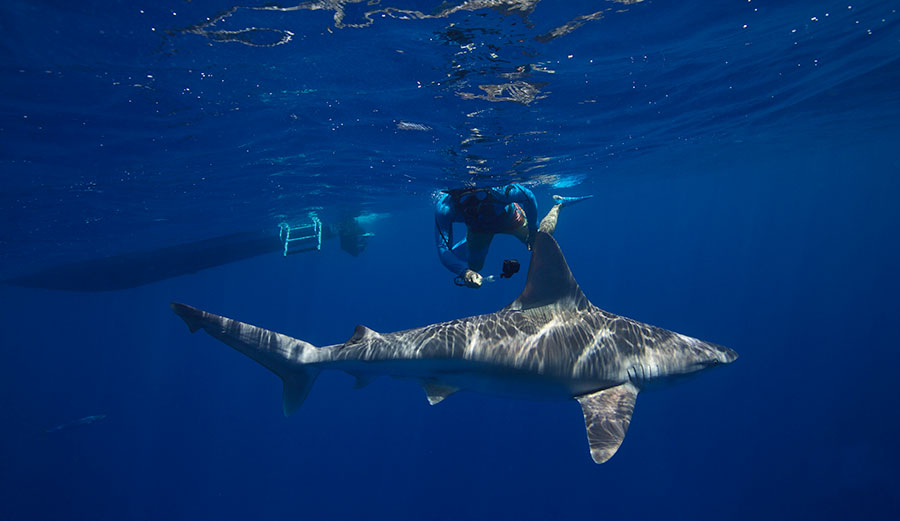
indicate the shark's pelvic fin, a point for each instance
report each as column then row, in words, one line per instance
column 437, row 392
column 550, row 282
column 276, row 352
column 607, row 414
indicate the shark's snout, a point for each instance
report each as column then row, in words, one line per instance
column 726, row 355
column 714, row 355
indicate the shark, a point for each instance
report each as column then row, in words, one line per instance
column 550, row 343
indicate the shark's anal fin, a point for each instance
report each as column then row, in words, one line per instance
column 607, row 414
column 363, row 380
column 437, row 392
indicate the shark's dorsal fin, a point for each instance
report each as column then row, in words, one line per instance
column 437, row 392
column 359, row 334
column 549, row 280
column 607, row 414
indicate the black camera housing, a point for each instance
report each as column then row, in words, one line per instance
column 510, row 268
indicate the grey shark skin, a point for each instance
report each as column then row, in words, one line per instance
column 550, row 343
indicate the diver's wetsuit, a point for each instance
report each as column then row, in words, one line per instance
column 510, row 209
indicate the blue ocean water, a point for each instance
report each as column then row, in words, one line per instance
column 744, row 165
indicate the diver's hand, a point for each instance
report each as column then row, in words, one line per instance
column 472, row 279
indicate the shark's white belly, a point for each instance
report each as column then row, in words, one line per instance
column 466, row 375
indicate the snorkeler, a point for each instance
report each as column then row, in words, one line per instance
column 354, row 238
column 510, row 209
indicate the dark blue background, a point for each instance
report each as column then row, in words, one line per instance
column 772, row 230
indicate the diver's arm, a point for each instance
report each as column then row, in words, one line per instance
column 517, row 193
column 443, row 236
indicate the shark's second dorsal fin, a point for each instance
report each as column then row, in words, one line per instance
column 359, row 334
column 549, row 280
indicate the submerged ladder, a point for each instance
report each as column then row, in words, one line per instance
column 302, row 237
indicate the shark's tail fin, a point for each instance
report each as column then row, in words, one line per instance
column 281, row 354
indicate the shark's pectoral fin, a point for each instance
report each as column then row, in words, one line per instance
column 607, row 414
column 437, row 392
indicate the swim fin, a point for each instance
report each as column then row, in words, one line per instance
column 569, row 201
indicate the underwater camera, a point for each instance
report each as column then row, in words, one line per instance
column 510, row 268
